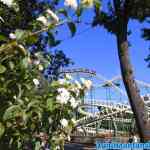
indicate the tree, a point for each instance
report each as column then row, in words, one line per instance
column 21, row 16
column 146, row 33
column 33, row 110
column 116, row 20
column 146, row 36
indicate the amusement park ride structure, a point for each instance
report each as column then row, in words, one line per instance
column 100, row 113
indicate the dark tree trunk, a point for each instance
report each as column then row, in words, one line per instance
column 136, row 102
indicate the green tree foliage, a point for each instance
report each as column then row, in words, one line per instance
column 19, row 18
column 22, row 16
column 34, row 111
column 131, row 9
column 146, row 36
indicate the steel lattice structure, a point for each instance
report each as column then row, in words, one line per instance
column 106, row 115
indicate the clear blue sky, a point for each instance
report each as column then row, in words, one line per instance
column 96, row 49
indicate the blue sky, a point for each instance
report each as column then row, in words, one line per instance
column 96, row 49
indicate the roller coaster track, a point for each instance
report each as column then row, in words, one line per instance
column 102, row 78
column 100, row 116
column 113, row 109
column 101, row 103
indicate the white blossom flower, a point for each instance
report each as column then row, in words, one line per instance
column 41, row 68
column 61, row 135
column 73, row 102
column 2, row 19
column 71, row 3
column 88, row 84
column 36, row 62
column 15, row 97
column 63, row 96
column 61, row 81
column 50, row 120
column 68, row 138
column 78, row 85
column 36, row 54
column 43, row 144
column 64, row 122
column 68, row 76
column 53, row 15
column 57, row 147
column 7, row 2
column 73, row 121
column 36, row 82
column 75, row 90
column 63, row 91
column 61, row 99
column 12, row 36
column 43, row 19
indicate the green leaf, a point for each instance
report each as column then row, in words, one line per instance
column 79, row 11
column 97, row 5
column 11, row 65
column 20, row 34
column 31, row 40
column 72, row 28
column 50, row 104
column 37, row 145
column 2, row 129
column 2, row 69
column 2, row 37
column 51, row 39
column 19, row 144
column 36, row 112
column 63, row 11
column 51, row 26
column 12, row 112
column 33, row 104
column 57, row 42
column 24, row 62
